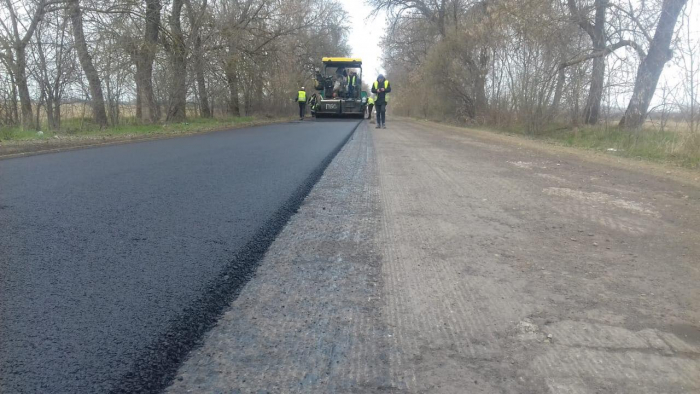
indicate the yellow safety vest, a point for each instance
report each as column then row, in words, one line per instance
column 302, row 96
column 353, row 80
column 386, row 85
column 370, row 101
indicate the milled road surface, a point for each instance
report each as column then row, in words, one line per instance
column 430, row 259
column 114, row 260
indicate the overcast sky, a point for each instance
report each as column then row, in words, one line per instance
column 364, row 37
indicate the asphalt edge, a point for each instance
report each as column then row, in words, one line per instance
column 154, row 371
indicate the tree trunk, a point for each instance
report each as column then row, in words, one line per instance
column 144, row 83
column 591, row 112
column 99, row 113
column 37, row 121
column 139, row 101
column 25, row 100
column 178, row 83
column 204, row 107
column 18, row 62
column 198, row 59
column 558, row 91
column 480, row 101
column 13, row 100
column 234, row 108
column 653, row 64
column 50, row 114
column 257, row 96
column 234, row 101
column 57, row 113
column 145, row 55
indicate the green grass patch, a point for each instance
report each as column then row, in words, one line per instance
column 17, row 134
column 77, row 127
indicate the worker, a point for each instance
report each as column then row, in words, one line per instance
column 301, row 99
column 370, row 107
column 352, row 82
column 312, row 104
column 381, row 88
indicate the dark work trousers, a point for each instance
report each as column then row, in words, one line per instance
column 370, row 107
column 302, row 109
column 381, row 114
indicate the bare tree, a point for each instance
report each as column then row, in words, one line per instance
column 177, row 51
column 17, row 33
column 97, row 98
column 54, row 66
column 143, row 55
column 652, row 65
column 196, row 17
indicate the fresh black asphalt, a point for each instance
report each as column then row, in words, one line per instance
column 115, row 260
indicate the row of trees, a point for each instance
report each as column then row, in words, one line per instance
column 532, row 61
column 166, row 59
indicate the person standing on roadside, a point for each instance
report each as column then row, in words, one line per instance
column 381, row 88
column 370, row 107
column 301, row 99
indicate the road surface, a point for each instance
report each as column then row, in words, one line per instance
column 430, row 259
column 114, row 260
column 426, row 259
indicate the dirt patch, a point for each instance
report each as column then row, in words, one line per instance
column 598, row 198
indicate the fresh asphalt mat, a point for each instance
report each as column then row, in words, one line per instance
column 431, row 260
column 115, row 260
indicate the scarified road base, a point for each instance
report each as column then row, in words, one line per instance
column 509, row 270
column 457, row 264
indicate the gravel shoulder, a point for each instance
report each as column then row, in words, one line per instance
column 432, row 260
column 511, row 269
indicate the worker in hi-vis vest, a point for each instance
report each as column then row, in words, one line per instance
column 301, row 99
column 352, row 82
column 381, row 88
column 370, row 107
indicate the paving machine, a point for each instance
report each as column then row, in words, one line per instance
column 340, row 87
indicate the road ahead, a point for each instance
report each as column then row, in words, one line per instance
column 116, row 259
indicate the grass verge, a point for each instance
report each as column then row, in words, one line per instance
column 76, row 128
column 674, row 147
column 78, row 132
